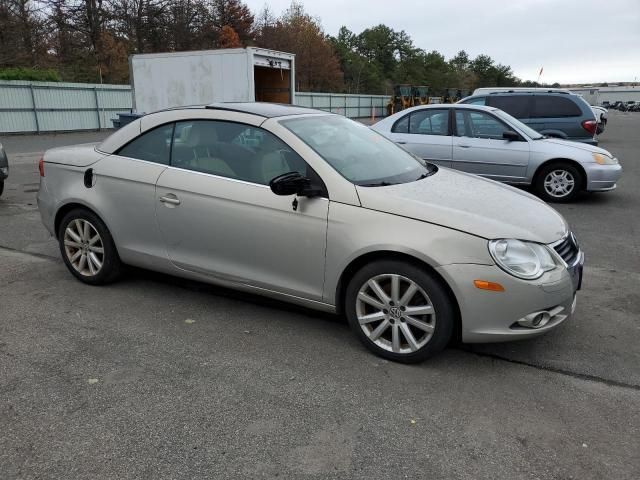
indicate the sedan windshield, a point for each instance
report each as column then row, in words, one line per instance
column 359, row 154
column 528, row 131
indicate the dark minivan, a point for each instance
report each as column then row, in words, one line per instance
column 559, row 114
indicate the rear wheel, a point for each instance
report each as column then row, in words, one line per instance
column 87, row 248
column 399, row 311
column 1, row 186
column 559, row 182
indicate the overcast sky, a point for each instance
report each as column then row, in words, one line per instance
column 576, row 41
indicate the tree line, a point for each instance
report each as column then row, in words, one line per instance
column 90, row 41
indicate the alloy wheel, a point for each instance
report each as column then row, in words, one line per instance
column 83, row 247
column 559, row 183
column 395, row 313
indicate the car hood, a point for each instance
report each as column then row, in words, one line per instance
column 555, row 142
column 80, row 155
column 470, row 204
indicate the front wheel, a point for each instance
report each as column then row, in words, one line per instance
column 399, row 311
column 87, row 248
column 1, row 186
column 559, row 182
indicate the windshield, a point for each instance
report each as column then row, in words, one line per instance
column 359, row 154
column 528, row 131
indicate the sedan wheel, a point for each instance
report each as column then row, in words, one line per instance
column 400, row 321
column 83, row 247
column 87, row 248
column 559, row 182
column 399, row 311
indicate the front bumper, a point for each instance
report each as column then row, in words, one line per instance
column 602, row 178
column 489, row 316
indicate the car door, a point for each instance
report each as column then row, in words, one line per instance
column 124, row 184
column 219, row 217
column 425, row 133
column 479, row 147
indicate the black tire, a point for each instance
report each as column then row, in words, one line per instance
column 111, row 267
column 1, row 186
column 443, row 307
column 571, row 170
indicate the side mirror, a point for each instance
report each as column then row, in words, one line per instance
column 511, row 136
column 293, row 183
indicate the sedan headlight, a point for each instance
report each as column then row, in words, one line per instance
column 526, row 260
column 604, row 159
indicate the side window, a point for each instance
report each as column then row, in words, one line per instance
column 476, row 101
column 233, row 150
column 515, row 105
column 554, row 106
column 479, row 125
column 152, row 146
column 401, row 126
column 429, row 122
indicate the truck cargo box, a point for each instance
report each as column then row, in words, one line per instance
column 165, row 80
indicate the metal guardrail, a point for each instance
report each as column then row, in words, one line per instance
column 38, row 107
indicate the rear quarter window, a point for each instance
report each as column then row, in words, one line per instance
column 553, row 106
column 515, row 105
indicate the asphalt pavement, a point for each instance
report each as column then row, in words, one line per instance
column 157, row 377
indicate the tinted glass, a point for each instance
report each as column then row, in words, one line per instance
column 153, row 146
column 479, row 125
column 528, row 131
column 515, row 105
column 476, row 101
column 429, row 122
column 359, row 154
column 233, row 150
column 401, row 126
column 554, row 106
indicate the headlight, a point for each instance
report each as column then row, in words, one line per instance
column 4, row 170
column 521, row 259
column 604, row 159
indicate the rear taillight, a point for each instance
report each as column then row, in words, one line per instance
column 590, row 126
column 41, row 167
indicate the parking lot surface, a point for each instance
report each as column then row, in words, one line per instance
column 157, row 377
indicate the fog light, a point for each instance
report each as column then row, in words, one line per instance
column 540, row 319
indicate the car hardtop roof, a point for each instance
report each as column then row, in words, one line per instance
column 264, row 109
column 434, row 106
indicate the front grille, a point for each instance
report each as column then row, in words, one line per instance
column 568, row 249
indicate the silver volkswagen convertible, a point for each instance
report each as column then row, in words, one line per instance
column 315, row 209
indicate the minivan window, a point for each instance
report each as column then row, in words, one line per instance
column 476, row 101
column 515, row 105
column 356, row 152
column 553, row 106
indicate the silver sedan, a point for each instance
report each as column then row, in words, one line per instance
column 318, row 210
column 489, row 142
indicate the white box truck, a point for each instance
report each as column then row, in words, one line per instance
column 165, row 80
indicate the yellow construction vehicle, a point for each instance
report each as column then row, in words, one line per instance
column 402, row 98
column 420, row 95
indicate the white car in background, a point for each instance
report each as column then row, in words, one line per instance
column 489, row 142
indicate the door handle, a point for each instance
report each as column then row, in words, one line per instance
column 401, row 143
column 464, row 146
column 171, row 199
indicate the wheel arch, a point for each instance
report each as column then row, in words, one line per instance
column 67, row 207
column 553, row 161
column 357, row 263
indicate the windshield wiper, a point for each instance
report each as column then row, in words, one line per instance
column 376, row 184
